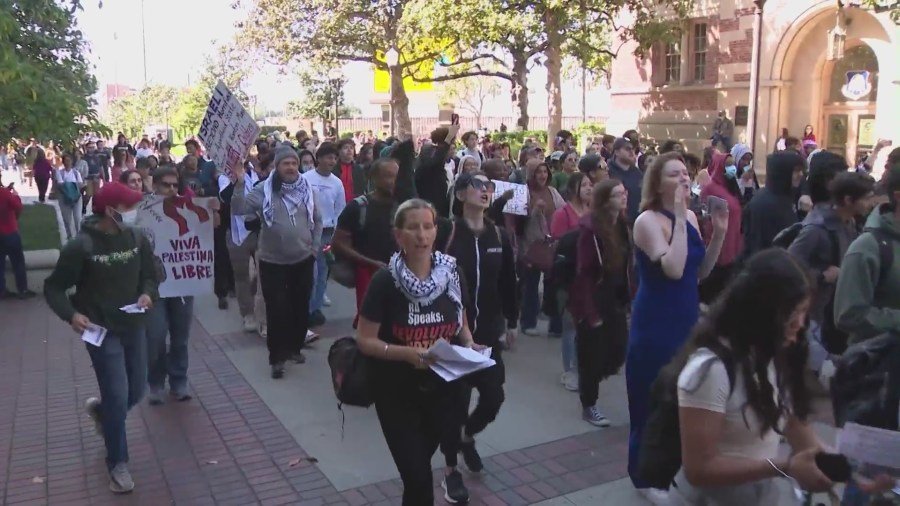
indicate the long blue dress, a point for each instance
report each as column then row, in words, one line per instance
column 663, row 313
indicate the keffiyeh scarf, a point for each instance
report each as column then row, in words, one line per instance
column 293, row 195
column 444, row 278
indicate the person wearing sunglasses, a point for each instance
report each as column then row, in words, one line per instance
column 132, row 179
column 485, row 257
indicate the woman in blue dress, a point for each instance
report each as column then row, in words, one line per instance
column 671, row 261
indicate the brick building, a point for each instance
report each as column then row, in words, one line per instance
column 676, row 91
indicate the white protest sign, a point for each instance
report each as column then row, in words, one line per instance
column 518, row 204
column 227, row 130
column 180, row 231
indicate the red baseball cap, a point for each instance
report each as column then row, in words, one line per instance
column 115, row 195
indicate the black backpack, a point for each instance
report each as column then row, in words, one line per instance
column 349, row 375
column 865, row 388
column 659, row 458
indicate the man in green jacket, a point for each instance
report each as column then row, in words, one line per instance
column 867, row 299
column 110, row 264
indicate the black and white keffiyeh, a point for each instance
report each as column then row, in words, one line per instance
column 444, row 278
column 293, row 195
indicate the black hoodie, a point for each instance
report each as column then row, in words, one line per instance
column 488, row 263
column 772, row 209
column 431, row 177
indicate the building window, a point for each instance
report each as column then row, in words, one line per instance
column 700, row 46
column 673, row 62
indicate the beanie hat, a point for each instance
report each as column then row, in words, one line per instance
column 114, row 195
column 284, row 152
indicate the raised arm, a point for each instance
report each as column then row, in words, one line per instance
column 720, row 226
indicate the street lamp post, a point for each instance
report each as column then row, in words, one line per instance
column 334, row 78
column 755, row 58
column 392, row 58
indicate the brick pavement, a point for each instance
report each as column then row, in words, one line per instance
column 224, row 447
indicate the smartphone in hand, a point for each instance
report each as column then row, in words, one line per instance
column 454, row 119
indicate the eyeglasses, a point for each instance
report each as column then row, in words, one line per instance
column 135, row 181
column 480, row 184
column 166, row 184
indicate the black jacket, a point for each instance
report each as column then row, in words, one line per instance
column 431, row 177
column 772, row 208
column 488, row 264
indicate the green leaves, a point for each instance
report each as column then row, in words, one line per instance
column 46, row 87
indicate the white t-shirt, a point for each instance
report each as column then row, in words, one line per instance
column 712, row 392
column 474, row 153
column 68, row 176
column 330, row 192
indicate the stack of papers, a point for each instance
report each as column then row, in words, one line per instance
column 870, row 445
column 94, row 335
column 132, row 309
column 453, row 362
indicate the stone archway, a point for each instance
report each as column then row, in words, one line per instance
column 794, row 77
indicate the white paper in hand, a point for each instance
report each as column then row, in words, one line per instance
column 870, row 445
column 94, row 334
column 132, row 309
column 453, row 362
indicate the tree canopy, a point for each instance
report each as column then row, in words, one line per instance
column 46, row 86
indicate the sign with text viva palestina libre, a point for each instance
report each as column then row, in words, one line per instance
column 180, row 231
column 227, row 130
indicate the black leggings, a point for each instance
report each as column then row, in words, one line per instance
column 286, row 289
column 413, row 422
column 489, row 384
column 42, row 183
column 601, row 353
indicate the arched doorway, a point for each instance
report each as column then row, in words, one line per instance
column 850, row 89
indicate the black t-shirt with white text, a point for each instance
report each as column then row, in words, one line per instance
column 406, row 323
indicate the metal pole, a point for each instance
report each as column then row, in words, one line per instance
column 144, row 42
column 337, row 103
column 583, row 95
column 754, row 73
column 392, row 69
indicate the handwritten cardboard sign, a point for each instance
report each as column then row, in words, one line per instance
column 227, row 130
column 518, row 204
column 180, row 231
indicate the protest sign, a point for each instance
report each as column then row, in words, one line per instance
column 180, row 231
column 227, row 130
column 518, row 204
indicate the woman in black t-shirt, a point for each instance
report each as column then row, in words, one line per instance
column 417, row 300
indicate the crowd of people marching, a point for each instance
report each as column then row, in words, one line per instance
column 680, row 267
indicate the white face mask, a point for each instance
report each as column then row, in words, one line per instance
column 126, row 218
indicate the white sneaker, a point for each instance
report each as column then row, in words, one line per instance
column 655, row 496
column 263, row 331
column 249, row 324
column 570, row 381
column 326, row 302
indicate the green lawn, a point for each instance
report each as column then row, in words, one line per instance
column 39, row 228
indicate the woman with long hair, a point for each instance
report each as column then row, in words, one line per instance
column 565, row 220
column 118, row 166
column 418, row 299
column 599, row 295
column 741, row 387
column 809, row 135
column 43, row 172
column 543, row 201
column 671, row 259
column 69, row 184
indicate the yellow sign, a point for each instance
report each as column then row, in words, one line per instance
column 866, row 136
column 382, row 81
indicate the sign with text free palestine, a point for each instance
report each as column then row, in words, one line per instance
column 227, row 130
column 180, row 231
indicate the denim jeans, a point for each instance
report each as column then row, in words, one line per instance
column 320, row 274
column 170, row 316
column 531, row 301
column 11, row 246
column 120, row 365
column 569, row 357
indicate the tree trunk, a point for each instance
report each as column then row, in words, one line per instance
column 400, row 121
column 520, row 88
column 554, row 78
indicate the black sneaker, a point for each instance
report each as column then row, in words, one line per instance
column 316, row 319
column 298, row 358
column 27, row 294
column 223, row 303
column 470, row 456
column 455, row 490
column 278, row 370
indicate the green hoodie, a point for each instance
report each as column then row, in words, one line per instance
column 108, row 271
column 864, row 306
